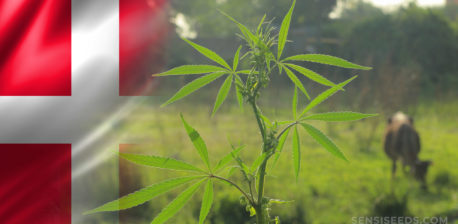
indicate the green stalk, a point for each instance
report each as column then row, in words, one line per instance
column 258, row 118
column 261, row 215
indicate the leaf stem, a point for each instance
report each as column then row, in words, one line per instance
column 236, row 186
column 287, row 127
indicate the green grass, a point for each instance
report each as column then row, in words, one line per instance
column 329, row 190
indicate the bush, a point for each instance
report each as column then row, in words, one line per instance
column 389, row 205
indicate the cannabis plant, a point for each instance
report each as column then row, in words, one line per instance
column 264, row 60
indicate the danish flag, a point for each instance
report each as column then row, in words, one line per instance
column 68, row 70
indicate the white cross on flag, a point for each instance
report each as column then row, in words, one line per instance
column 68, row 68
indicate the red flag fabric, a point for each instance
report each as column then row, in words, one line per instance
column 35, row 48
column 35, row 183
column 75, row 51
column 142, row 36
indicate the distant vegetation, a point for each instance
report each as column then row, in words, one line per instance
column 412, row 47
column 415, row 46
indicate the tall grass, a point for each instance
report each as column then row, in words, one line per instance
column 329, row 191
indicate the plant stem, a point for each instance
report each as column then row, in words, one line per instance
column 258, row 117
column 261, row 216
column 251, row 190
column 262, row 174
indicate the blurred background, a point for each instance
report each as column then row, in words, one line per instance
column 413, row 49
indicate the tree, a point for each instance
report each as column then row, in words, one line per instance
column 410, row 37
column 211, row 23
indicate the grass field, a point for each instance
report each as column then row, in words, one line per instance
column 329, row 190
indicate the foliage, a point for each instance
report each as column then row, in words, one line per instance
column 411, row 37
column 354, row 12
column 264, row 59
column 358, row 10
column 207, row 22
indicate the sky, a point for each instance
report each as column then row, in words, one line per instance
column 391, row 3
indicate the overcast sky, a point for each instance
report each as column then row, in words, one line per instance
column 390, row 3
